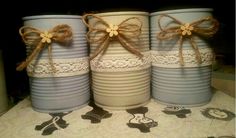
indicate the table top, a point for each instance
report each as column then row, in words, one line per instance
column 215, row 119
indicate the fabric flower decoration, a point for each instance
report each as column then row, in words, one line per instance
column 46, row 37
column 112, row 30
column 186, row 29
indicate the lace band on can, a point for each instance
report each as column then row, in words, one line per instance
column 64, row 67
column 170, row 59
column 126, row 62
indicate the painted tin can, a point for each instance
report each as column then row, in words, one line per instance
column 173, row 84
column 68, row 88
column 120, row 79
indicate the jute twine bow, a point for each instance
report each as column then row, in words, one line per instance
column 186, row 31
column 123, row 33
column 33, row 37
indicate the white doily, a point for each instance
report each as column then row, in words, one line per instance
column 64, row 67
column 170, row 59
column 116, row 63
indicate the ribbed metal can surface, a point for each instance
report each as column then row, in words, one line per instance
column 68, row 87
column 121, row 79
column 173, row 83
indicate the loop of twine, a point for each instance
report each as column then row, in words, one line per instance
column 186, row 31
column 35, row 38
column 123, row 33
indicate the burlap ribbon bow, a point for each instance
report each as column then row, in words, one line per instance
column 35, row 38
column 185, row 31
column 123, row 33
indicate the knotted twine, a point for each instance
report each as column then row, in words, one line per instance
column 123, row 33
column 185, row 31
column 35, row 38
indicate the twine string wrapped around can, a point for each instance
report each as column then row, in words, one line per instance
column 186, row 31
column 35, row 38
column 123, row 33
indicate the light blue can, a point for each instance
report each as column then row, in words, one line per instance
column 173, row 83
column 68, row 88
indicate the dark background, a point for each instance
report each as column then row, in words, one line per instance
column 14, row 49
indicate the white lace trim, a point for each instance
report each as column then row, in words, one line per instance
column 116, row 63
column 170, row 59
column 64, row 67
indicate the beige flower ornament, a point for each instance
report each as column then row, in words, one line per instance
column 46, row 37
column 112, row 30
column 186, row 29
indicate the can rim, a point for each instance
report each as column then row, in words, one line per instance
column 51, row 17
column 122, row 13
column 182, row 11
